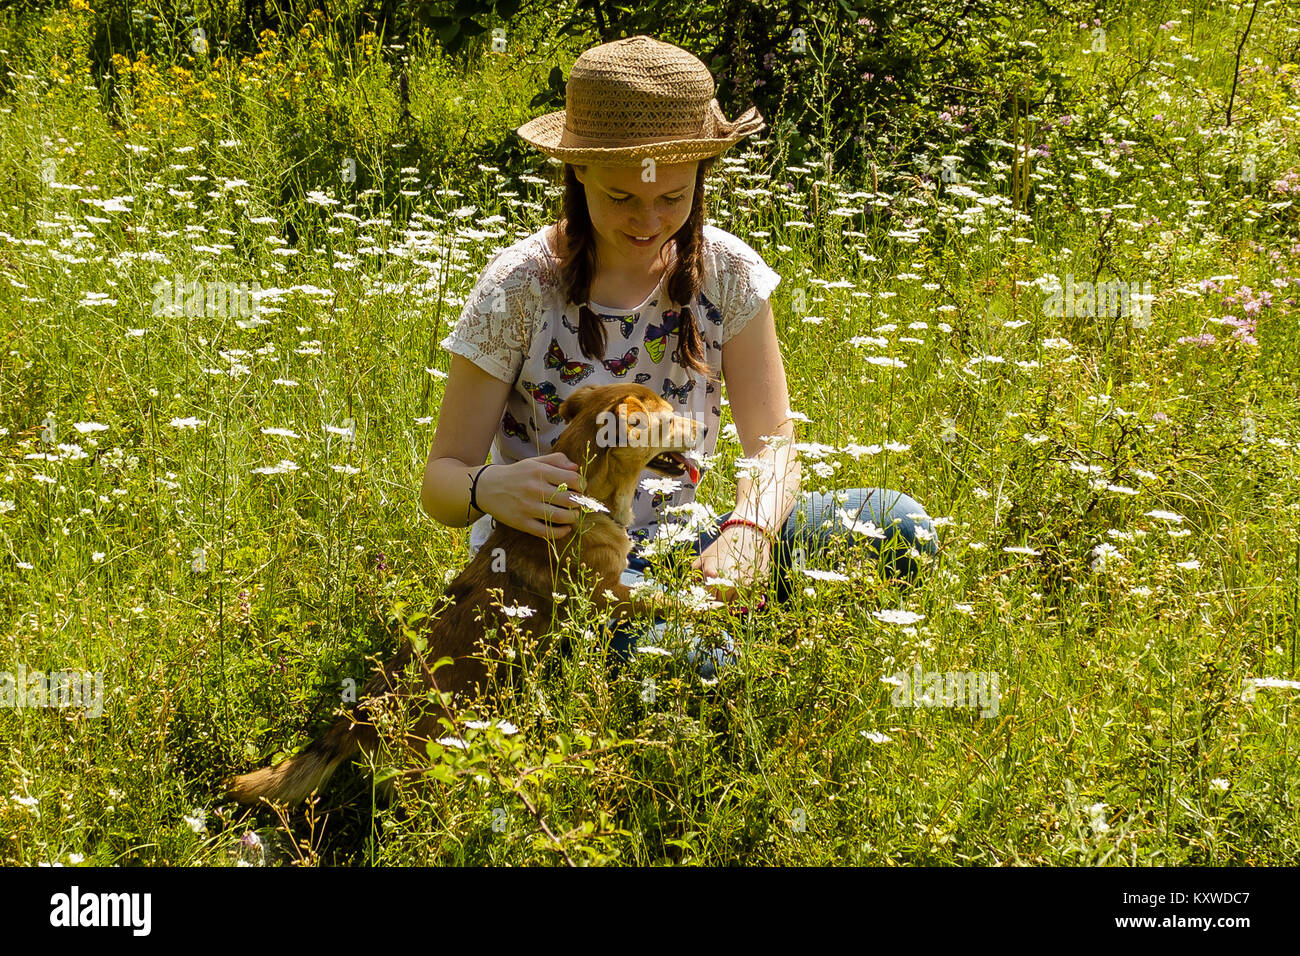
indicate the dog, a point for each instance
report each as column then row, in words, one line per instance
column 617, row 432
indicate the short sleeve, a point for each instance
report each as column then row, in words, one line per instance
column 745, row 281
column 495, row 328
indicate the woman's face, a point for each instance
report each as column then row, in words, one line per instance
column 625, row 208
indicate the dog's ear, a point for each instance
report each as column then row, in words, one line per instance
column 572, row 406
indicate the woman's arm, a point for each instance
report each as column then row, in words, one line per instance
column 519, row 494
column 472, row 404
column 760, row 400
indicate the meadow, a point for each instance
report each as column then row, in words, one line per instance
column 1074, row 340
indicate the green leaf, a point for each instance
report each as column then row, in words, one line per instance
column 450, row 35
column 442, row 773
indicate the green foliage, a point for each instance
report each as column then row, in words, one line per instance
column 1116, row 494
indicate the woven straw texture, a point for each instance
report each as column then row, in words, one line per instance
column 638, row 98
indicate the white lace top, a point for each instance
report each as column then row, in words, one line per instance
column 517, row 327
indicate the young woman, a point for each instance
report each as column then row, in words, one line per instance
column 632, row 286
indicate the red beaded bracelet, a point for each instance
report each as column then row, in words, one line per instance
column 747, row 523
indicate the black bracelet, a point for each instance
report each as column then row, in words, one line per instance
column 473, row 489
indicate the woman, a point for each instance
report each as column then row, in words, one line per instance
column 631, row 285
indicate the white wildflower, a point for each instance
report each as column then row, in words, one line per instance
column 897, row 616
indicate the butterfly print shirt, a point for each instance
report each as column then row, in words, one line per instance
column 517, row 326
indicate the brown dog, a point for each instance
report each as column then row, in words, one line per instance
column 617, row 432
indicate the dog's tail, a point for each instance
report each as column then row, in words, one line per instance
column 293, row 780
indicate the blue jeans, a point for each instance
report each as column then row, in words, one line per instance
column 806, row 535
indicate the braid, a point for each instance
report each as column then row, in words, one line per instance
column 684, row 282
column 577, row 252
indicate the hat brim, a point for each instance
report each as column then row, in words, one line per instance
column 546, row 133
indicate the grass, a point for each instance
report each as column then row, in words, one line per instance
column 228, row 597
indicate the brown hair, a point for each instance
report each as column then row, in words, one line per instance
column 576, row 249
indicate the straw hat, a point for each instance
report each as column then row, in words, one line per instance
column 638, row 98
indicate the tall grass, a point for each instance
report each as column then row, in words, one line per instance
column 220, row 513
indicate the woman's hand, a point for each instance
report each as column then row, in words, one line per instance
column 740, row 554
column 526, row 495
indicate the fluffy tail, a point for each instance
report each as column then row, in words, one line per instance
column 293, row 780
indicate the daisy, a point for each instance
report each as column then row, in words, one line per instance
column 1275, row 682
column 818, row 575
column 284, row 466
column 751, row 468
column 897, row 616
column 1100, row 554
column 867, row 528
column 504, row 726
column 587, row 504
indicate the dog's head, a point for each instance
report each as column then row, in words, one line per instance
column 631, row 424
